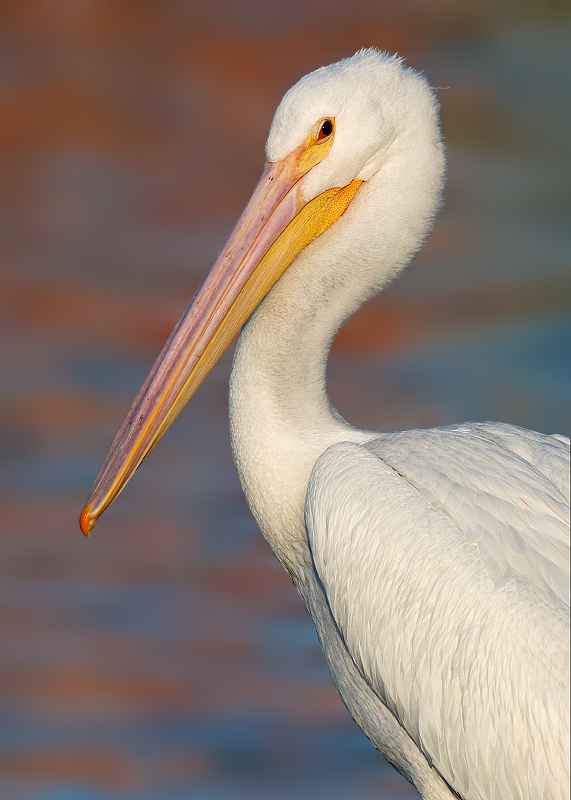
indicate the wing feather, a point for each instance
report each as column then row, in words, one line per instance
column 447, row 603
column 502, row 486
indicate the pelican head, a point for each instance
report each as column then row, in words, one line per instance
column 341, row 137
column 374, row 101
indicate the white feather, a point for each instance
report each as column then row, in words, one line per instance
column 459, row 658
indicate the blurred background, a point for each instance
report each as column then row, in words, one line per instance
column 169, row 656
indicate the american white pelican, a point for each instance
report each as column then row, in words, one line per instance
column 434, row 563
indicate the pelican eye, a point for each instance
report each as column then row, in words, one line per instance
column 325, row 130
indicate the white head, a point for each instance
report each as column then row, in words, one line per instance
column 375, row 101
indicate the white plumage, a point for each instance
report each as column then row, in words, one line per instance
column 465, row 638
column 435, row 563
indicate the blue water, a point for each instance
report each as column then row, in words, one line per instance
column 169, row 657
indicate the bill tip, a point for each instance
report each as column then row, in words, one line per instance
column 86, row 522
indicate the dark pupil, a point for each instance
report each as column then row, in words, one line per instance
column 327, row 128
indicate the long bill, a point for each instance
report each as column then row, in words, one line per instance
column 275, row 226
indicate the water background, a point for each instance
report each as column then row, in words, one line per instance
column 169, row 656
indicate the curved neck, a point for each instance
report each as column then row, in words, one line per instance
column 281, row 421
column 280, row 417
